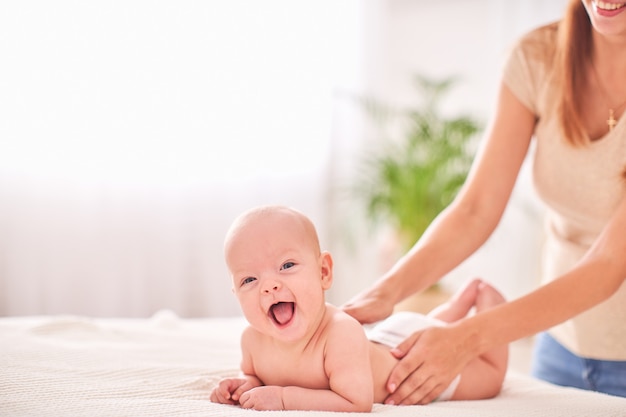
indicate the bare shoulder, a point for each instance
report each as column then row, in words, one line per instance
column 341, row 316
column 343, row 325
column 251, row 337
column 539, row 44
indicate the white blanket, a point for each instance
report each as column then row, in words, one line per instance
column 165, row 366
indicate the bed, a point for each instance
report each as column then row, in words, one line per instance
column 166, row 366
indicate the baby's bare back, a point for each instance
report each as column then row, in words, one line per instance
column 382, row 363
column 307, row 370
column 304, row 364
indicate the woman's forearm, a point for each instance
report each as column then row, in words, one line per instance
column 549, row 305
column 451, row 238
column 595, row 278
column 467, row 223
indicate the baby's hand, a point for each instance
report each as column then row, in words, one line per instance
column 263, row 398
column 229, row 390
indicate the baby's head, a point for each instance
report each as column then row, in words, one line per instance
column 279, row 272
column 266, row 222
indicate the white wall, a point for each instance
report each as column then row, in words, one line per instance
column 133, row 132
column 468, row 39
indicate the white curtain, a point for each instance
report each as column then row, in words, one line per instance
column 133, row 132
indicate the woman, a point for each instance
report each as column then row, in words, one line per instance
column 565, row 85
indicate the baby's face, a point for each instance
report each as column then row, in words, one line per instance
column 279, row 275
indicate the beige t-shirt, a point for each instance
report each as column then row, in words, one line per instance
column 581, row 187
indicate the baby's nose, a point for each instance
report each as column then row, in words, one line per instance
column 271, row 287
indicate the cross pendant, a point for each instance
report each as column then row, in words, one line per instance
column 611, row 122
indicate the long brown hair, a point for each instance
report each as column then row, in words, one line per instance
column 574, row 51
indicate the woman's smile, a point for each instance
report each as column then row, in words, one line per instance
column 606, row 8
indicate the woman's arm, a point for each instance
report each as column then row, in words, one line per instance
column 433, row 358
column 467, row 223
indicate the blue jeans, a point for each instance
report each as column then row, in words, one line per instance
column 554, row 363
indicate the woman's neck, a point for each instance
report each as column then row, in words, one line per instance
column 609, row 56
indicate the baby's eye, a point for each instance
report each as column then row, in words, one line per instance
column 247, row 280
column 288, row 265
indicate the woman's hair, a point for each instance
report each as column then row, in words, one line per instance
column 574, row 50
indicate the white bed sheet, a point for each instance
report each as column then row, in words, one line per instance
column 165, row 366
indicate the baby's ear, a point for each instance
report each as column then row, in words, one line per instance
column 327, row 269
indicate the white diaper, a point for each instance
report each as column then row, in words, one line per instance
column 396, row 328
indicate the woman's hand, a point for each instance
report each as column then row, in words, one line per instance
column 429, row 360
column 369, row 306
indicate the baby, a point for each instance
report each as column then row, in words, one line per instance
column 301, row 353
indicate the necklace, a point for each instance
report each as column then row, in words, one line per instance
column 611, row 121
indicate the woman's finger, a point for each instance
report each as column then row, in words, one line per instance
column 425, row 394
column 403, row 348
column 408, row 363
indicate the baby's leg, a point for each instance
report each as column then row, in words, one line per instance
column 460, row 304
column 483, row 376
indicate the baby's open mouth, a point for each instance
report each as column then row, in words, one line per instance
column 282, row 312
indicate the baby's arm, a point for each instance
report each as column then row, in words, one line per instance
column 347, row 364
column 349, row 371
column 229, row 390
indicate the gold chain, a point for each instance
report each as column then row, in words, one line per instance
column 611, row 121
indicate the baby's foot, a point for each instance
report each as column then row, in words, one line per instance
column 465, row 298
column 460, row 304
column 488, row 297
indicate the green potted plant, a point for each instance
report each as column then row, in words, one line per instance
column 412, row 175
column 407, row 181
